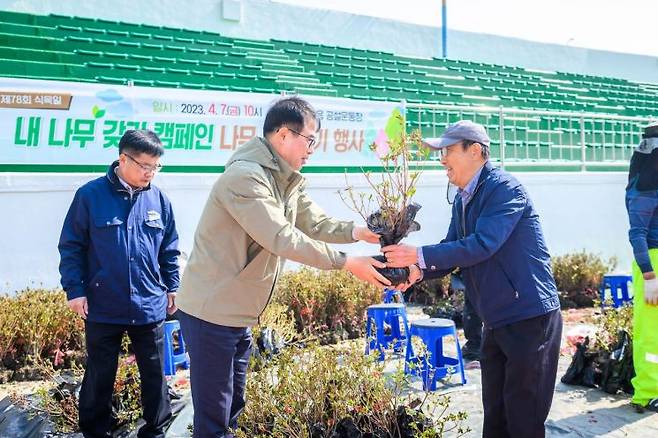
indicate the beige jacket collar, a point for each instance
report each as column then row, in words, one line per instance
column 261, row 151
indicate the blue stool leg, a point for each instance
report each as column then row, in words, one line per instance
column 413, row 363
column 182, row 352
column 438, row 362
column 405, row 324
column 369, row 341
column 407, row 354
column 390, row 294
column 625, row 296
column 620, row 294
column 396, row 333
column 616, row 293
column 169, row 367
column 439, row 358
column 460, row 358
column 423, row 369
column 381, row 341
column 429, row 367
column 402, row 329
column 434, row 365
column 394, row 338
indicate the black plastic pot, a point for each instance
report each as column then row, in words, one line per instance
column 394, row 275
column 390, row 236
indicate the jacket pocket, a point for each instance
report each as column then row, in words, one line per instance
column 497, row 292
column 107, row 222
column 107, row 234
column 96, row 282
column 94, row 292
column 102, row 297
column 508, row 279
column 258, row 269
column 152, row 237
column 154, row 224
column 253, row 286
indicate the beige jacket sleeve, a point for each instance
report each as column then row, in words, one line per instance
column 315, row 223
column 247, row 195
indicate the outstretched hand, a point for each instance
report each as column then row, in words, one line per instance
column 400, row 256
column 364, row 234
column 363, row 268
column 415, row 275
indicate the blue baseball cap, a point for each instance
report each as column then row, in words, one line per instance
column 457, row 132
column 649, row 140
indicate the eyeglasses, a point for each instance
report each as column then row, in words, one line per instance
column 311, row 140
column 444, row 152
column 145, row 167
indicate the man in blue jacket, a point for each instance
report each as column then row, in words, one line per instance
column 119, row 268
column 496, row 239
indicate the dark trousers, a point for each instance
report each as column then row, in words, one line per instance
column 219, row 357
column 103, row 343
column 519, row 365
column 472, row 327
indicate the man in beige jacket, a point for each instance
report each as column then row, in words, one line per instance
column 256, row 217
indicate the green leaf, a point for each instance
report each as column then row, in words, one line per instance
column 394, row 126
column 97, row 112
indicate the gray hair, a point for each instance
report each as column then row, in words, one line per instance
column 484, row 147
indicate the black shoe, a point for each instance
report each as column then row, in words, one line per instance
column 652, row 405
column 470, row 354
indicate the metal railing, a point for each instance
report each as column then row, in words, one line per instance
column 588, row 141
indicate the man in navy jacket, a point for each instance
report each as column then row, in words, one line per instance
column 496, row 239
column 119, row 268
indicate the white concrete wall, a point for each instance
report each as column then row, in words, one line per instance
column 578, row 211
column 264, row 19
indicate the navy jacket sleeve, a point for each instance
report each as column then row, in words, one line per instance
column 498, row 218
column 429, row 274
column 641, row 212
column 73, row 245
column 168, row 255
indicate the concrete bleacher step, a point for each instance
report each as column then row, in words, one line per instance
column 55, row 46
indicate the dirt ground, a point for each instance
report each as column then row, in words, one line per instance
column 576, row 411
column 18, row 388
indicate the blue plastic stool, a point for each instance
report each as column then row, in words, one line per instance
column 390, row 294
column 618, row 285
column 174, row 356
column 432, row 331
column 391, row 314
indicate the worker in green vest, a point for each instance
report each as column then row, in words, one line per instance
column 642, row 206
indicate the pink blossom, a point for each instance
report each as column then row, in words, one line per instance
column 381, row 143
